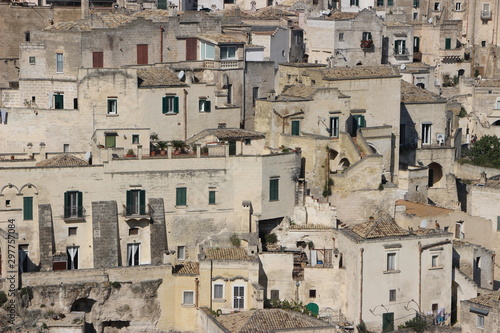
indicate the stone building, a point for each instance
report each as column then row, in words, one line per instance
column 480, row 314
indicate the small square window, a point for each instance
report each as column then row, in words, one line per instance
column 32, row 60
column 181, row 252
column 188, row 297
column 135, row 138
column 392, row 295
column 312, row 293
column 437, row 6
column 247, row 142
column 483, row 43
column 7, row 203
column 133, row 231
column 458, row 6
column 72, row 231
column 275, row 294
column 227, row 52
column 204, row 105
column 435, row 260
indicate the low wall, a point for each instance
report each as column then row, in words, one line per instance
column 469, row 171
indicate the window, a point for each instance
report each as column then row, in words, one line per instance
column 170, row 105
column 229, row 94
column 75, row 103
column 238, row 297
column 7, row 203
column 28, row 208
column 392, row 295
column 334, row 127
column 255, row 94
column 27, row 36
column 207, row 51
column 204, row 105
column 447, row 43
column 400, row 47
column 402, row 134
column 188, row 298
column 498, row 223
column 218, row 291
column 133, row 254
column 72, row 254
column 110, row 140
column 480, row 321
column 366, row 36
column 232, row 148
column 380, row 3
column 426, row 134
column 181, row 252
column 391, row 261
column 66, row 147
column 97, row 59
column 341, row 36
column 180, row 196
column 227, row 52
column 415, row 16
column 312, row 293
column 275, row 294
column 416, row 44
column 390, row 2
column 73, row 204
column 72, row 231
column 437, row 6
column 135, row 138
column 58, row 101
column 358, row 122
column 133, row 231
column 458, row 6
column 274, row 189
column 112, row 105
column 416, row 3
column 435, row 260
column 32, row 60
column 191, row 48
column 295, row 127
column 142, row 54
column 483, row 43
column 211, row 197
column 354, row 2
column 59, row 63
column 24, row 259
column 136, row 202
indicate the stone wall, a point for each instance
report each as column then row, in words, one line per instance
column 45, row 234
column 105, row 234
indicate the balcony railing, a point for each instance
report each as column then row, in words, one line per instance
column 401, row 52
column 74, row 212
column 223, row 64
column 140, row 212
column 486, row 15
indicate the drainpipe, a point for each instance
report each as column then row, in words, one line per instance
column 211, row 277
column 197, row 290
column 161, row 43
column 420, row 275
column 185, row 115
column 361, row 286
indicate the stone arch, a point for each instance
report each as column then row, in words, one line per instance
column 344, row 163
column 496, row 123
column 373, row 148
column 9, row 186
column 435, row 174
column 28, row 185
column 82, row 305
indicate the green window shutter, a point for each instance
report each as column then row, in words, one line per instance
column 211, row 197
column 66, row 204
column 129, row 203
column 142, row 202
column 447, row 43
column 28, row 208
column 80, row 204
column 390, row 2
column 176, row 104
column 498, row 223
column 362, row 122
column 180, row 196
column 274, row 189
column 164, row 105
column 207, row 106
column 295, row 127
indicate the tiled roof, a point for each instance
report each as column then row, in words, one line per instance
column 410, row 93
column 267, row 320
column 233, row 253
column 422, row 210
column 108, row 20
column 64, row 160
column 310, row 226
column 272, row 12
column 358, row 72
column 225, row 38
column 299, row 91
column 227, row 134
column 158, row 76
column 186, row 268
column 490, row 299
column 379, row 229
column 489, row 83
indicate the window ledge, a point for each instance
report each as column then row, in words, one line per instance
column 137, row 217
column 218, row 300
column 187, row 305
column 112, row 115
column 436, row 268
column 170, row 113
column 74, row 219
column 181, row 207
column 392, row 272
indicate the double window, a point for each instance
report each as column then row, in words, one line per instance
column 204, row 105
column 426, row 134
column 416, row 3
column 354, row 2
column 400, row 47
column 133, row 254
column 238, row 297
column 380, row 3
column 170, row 105
column 227, row 52
column 73, row 204
column 334, row 127
column 447, row 43
column 136, row 202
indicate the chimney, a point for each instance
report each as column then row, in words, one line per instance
column 271, row 95
column 483, row 178
column 43, row 154
column 85, row 9
column 172, row 9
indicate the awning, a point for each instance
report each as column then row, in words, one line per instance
column 480, row 311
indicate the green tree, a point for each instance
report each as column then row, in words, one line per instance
column 485, row 152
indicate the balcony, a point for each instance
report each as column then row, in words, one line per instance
column 223, row 64
column 140, row 212
column 450, row 56
column 486, row 15
column 74, row 213
column 367, row 45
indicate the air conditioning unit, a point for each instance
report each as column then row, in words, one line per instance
column 440, row 138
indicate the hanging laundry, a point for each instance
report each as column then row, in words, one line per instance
column 3, row 114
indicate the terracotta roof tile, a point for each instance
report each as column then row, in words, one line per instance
column 186, row 268
column 410, row 93
column 267, row 320
column 490, row 299
column 227, row 254
column 358, row 72
column 64, row 160
column 489, row 83
column 299, row 91
column 310, row 226
column 379, row 229
column 227, row 134
column 422, row 210
column 158, row 76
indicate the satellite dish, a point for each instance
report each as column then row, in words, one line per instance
column 423, row 223
column 88, row 155
column 181, row 75
column 403, row 66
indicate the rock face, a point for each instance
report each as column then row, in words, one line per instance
column 108, row 306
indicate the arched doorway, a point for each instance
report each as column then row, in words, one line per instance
column 344, row 163
column 435, row 174
column 83, row 305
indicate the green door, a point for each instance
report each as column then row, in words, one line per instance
column 388, row 322
column 162, row 4
column 447, row 43
column 232, row 147
column 59, row 101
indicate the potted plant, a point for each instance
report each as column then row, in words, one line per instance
column 162, row 145
column 179, row 145
column 130, row 153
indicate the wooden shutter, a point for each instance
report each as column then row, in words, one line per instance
column 211, row 197
column 142, row 54
column 498, row 223
column 66, row 204
column 180, row 196
column 164, row 105
column 295, row 127
column 142, row 202
column 191, row 48
column 80, row 204
column 129, row 203
column 447, row 43
column 176, row 104
column 97, row 59
column 28, row 208
column 207, row 106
